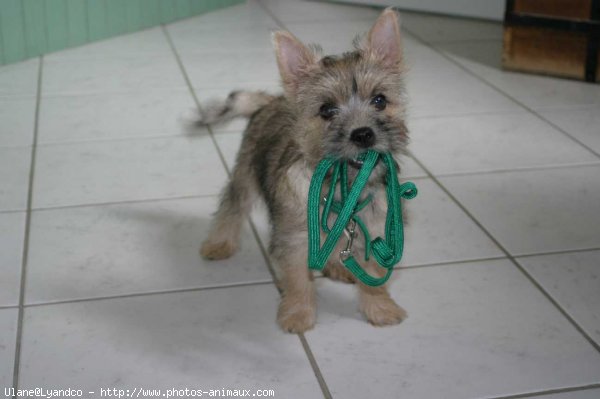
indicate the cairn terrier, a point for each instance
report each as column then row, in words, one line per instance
column 336, row 106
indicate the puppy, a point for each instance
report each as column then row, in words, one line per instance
column 336, row 106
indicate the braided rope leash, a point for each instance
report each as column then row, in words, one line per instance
column 386, row 252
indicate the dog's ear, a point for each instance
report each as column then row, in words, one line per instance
column 293, row 58
column 383, row 41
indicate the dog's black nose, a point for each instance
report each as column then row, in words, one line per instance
column 363, row 137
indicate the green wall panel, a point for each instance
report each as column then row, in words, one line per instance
column 13, row 30
column 96, row 19
column 133, row 11
column 150, row 13
column 56, row 24
column 167, row 11
column 1, row 49
column 182, row 8
column 35, row 21
column 116, row 14
column 77, row 22
column 29, row 28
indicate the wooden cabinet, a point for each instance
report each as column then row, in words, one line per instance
column 554, row 37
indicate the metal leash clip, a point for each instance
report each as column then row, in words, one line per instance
column 351, row 235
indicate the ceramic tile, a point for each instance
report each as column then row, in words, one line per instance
column 206, row 96
column 19, row 79
column 200, row 39
column 476, row 55
column 437, row 28
column 534, row 91
column 114, row 116
column 572, row 279
column 229, row 70
column 409, row 169
column 8, row 331
column 468, row 324
column 437, row 230
column 12, row 233
column 198, row 340
column 581, row 122
column 110, row 115
column 111, row 75
column 260, row 218
column 125, row 170
column 477, row 143
column 540, row 92
column 293, row 11
column 249, row 14
column 119, row 249
column 535, row 211
column 335, row 37
column 436, row 87
column 586, row 394
column 149, row 42
column 229, row 144
column 14, row 175
column 17, row 116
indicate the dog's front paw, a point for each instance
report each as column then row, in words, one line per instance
column 217, row 250
column 295, row 317
column 382, row 311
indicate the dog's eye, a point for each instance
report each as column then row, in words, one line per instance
column 328, row 111
column 379, row 101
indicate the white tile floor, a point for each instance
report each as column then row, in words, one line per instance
column 101, row 284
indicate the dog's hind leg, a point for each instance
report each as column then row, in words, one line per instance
column 236, row 202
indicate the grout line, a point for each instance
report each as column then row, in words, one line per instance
column 471, row 40
column 461, row 18
column 548, row 392
column 557, row 252
column 124, row 202
column 315, row 367
column 500, row 91
column 193, row 92
column 448, row 263
column 25, row 255
column 264, row 252
column 309, row 354
column 8, row 211
column 508, row 254
column 270, row 14
column 216, row 145
column 119, row 139
column 304, row 343
column 112, row 92
column 520, row 169
column 512, row 258
column 560, row 129
column 218, row 287
column 457, row 115
column 151, row 293
column 403, row 268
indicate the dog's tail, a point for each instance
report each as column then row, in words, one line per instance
column 237, row 104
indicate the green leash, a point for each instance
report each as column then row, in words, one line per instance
column 387, row 252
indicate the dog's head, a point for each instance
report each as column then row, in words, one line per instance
column 350, row 103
